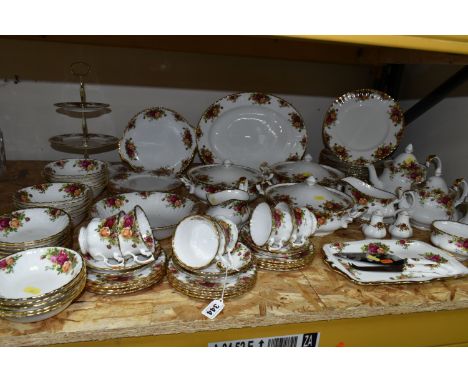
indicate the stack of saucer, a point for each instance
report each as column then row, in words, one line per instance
column 73, row 198
column 91, row 172
column 39, row 283
column 208, row 282
column 34, row 228
column 285, row 259
column 135, row 274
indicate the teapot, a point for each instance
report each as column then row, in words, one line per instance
column 402, row 172
column 434, row 199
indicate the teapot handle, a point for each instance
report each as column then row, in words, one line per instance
column 460, row 184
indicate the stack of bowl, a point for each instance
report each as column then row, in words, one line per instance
column 73, row 198
column 91, row 172
column 34, row 228
column 39, row 283
column 207, row 259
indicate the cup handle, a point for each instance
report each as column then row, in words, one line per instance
column 142, row 262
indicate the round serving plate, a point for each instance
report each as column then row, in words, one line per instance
column 363, row 126
column 79, row 144
column 159, row 140
column 251, row 129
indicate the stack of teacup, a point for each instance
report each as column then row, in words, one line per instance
column 279, row 236
column 73, row 198
column 91, row 172
column 33, row 228
column 121, row 253
column 208, row 262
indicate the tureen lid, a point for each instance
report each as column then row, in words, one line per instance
column 227, row 174
column 305, row 168
column 309, row 194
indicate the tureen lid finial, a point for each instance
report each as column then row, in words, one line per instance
column 308, row 158
column 310, row 181
column 409, row 149
column 227, row 163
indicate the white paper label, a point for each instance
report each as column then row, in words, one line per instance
column 213, row 309
column 295, row 340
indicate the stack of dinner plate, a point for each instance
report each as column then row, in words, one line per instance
column 91, row 172
column 134, row 274
column 39, row 283
column 73, row 198
column 33, row 228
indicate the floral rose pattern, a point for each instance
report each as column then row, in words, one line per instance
column 128, row 228
column 461, row 243
column 207, row 155
column 296, row 121
column 115, row 202
column 277, row 218
column 212, row 112
column 163, row 171
column 178, row 117
column 436, row 195
column 73, row 189
column 282, row 103
column 304, row 142
column 259, row 98
column 108, row 231
column 376, row 249
column 23, row 196
column 198, row 132
column 339, row 246
column 86, row 164
column 239, row 207
column 330, row 117
column 7, row 264
column 233, row 97
column 54, row 213
column 293, row 157
column 174, row 200
column 395, row 114
column 130, row 149
column 403, row 242
column 410, row 169
column 11, row 223
column 63, row 261
column 41, row 188
column 187, row 138
column 298, row 215
column 383, row 151
column 340, row 151
column 60, row 163
column 154, row 113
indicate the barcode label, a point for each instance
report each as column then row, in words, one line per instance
column 295, row 340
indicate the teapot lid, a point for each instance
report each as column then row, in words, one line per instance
column 406, row 157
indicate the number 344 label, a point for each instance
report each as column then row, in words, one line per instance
column 213, row 309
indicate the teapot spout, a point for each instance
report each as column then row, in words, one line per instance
column 374, row 179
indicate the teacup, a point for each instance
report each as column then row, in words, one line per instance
column 261, row 225
column 282, row 226
column 100, row 238
column 230, row 232
column 197, row 241
column 304, row 224
column 135, row 235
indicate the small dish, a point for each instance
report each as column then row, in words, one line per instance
column 451, row 236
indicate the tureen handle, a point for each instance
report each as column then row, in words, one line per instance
column 188, row 183
column 460, row 184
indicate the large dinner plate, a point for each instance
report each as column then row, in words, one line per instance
column 158, row 140
column 251, row 129
column 363, row 126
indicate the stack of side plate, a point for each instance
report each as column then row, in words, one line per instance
column 287, row 259
column 90, row 172
column 39, row 283
column 128, row 278
column 34, row 228
column 73, row 198
column 208, row 283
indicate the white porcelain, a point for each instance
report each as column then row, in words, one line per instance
column 305, row 225
column 451, row 236
column 232, row 204
column 230, row 233
column 32, row 224
column 130, row 181
column 401, row 173
column 164, row 210
column 375, row 229
column 333, row 209
column 374, row 199
column 434, row 199
column 75, row 167
column 282, row 226
column 37, row 272
column 100, row 238
column 159, row 140
column 135, row 234
column 251, row 129
column 196, row 241
column 363, row 126
column 209, row 179
column 401, row 228
column 299, row 171
column 426, row 262
column 261, row 224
